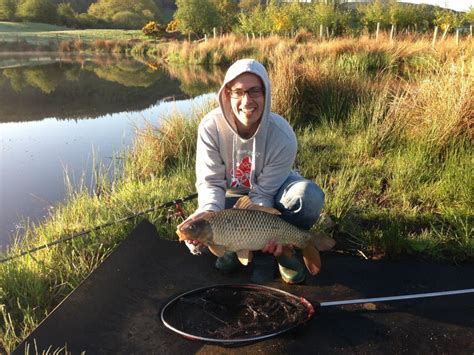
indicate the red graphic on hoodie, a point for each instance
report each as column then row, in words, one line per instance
column 242, row 173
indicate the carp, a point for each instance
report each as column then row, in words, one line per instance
column 248, row 227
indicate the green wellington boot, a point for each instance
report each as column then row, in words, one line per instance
column 292, row 270
column 227, row 262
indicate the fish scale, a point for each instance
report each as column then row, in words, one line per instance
column 239, row 229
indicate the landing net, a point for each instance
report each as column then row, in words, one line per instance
column 235, row 313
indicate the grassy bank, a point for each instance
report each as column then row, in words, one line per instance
column 385, row 129
column 43, row 33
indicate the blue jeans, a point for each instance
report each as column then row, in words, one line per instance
column 299, row 200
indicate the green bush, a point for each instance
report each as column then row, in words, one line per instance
column 127, row 20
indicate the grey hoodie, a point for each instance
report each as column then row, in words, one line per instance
column 227, row 162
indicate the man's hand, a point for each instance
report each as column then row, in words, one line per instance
column 192, row 217
column 278, row 249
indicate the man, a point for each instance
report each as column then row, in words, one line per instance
column 243, row 148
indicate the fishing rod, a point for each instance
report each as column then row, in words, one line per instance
column 175, row 202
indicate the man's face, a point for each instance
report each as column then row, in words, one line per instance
column 247, row 100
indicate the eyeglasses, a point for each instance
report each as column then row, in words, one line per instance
column 253, row 92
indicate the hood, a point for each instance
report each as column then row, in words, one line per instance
column 239, row 67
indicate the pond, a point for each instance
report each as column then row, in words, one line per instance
column 59, row 116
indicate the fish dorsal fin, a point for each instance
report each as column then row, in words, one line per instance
column 245, row 203
column 245, row 256
column 217, row 250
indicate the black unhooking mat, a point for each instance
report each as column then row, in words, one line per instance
column 117, row 308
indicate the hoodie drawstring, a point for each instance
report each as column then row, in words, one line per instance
column 234, row 168
column 252, row 167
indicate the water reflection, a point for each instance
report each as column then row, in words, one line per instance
column 53, row 116
column 92, row 88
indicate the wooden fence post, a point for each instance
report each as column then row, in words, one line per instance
column 435, row 34
column 205, row 37
column 470, row 31
column 457, row 36
column 377, row 32
column 445, row 32
column 321, row 31
column 392, row 31
column 327, row 32
column 214, row 32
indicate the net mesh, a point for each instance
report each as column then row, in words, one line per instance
column 230, row 313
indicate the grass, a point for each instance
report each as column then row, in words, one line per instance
column 28, row 27
column 385, row 129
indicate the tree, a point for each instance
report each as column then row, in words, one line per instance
column 7, row 10
column 198, row 16
column 248, row 6
column 296, row 15
column 395, row 12
column 37, row 11
column 280, row 19
column 446, row 19
column 256, row 21
column 322, row 14
column 228, row 11
column 374, row 13
column 66, row 14
column 469, row 15
column 424, row 19
column 124, row 13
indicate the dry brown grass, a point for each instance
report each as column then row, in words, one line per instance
column 441, row 107
column 288, row 81
column 64, row 46
column 228, row 48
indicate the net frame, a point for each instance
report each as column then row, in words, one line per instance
column 304, row 302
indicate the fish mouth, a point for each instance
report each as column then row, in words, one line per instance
column 181, row 235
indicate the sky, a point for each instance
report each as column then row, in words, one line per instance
column 458, row 5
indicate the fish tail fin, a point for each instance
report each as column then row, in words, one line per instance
column 312, row 259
